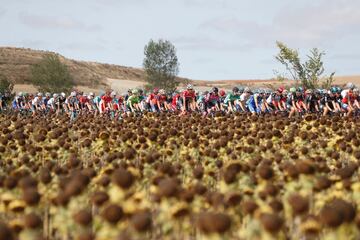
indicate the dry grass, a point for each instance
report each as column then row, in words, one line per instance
column 15, row 64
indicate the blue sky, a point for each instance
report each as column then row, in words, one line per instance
column 215, row 39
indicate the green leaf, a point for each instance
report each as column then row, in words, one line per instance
column 51, row 75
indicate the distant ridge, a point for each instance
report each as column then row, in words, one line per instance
column 15, row 64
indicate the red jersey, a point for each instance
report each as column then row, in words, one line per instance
column 106, row 99
column 121, row 100
column 175, row 99
column 349, row 96
column 152, row 98
column 162, row 98
column 189, row 94
column 83, row 99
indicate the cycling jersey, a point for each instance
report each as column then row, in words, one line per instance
column 36, row 101
column 188, row 94
column 231, row 98
column 133, row 100
column 349, row 97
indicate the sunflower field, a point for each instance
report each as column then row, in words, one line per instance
column 161, row 176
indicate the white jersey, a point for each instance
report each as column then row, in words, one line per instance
column 269, row 99
column 51, row 102
column 36, row 101
column 344, row 93
column 244, row 97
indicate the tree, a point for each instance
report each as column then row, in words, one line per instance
column 51, row 75
column 6, row 86
column 161, row 65
column 309, row 73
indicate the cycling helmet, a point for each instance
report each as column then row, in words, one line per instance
column 156, row 90
column 20, row 94
column 135, row 91
column 39, row 94
column 113, row 94
column 215, row 89
column 55, row 95
column 333, row 89
column 73, row 94
column 47, row 94
column 247, row 89
column 91, row 94
column 280, row 89
column 189, row 87
column 350, row 85
column 338, row 89
column 292, row 90
column 308, row 91
column 162, row 91
column 299, row 89
column 261, row 91
column 63, row 94
column 241, row 90
column 222, row 92
column 356, row 90
column 235, row 89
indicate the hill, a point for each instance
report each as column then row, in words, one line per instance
column 15, row 64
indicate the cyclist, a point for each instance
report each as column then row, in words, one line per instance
column 188, row 100
column 133, row 101
column 231, row 100
column 244, row 98
column 73, row 105
column 212, row 101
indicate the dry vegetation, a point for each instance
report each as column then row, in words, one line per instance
column 230, row 177
column 15, row 64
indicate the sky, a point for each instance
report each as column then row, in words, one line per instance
column 215, row 39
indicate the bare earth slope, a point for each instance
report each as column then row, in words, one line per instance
column 15, row 64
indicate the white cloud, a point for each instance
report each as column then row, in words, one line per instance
column 319, row 21
column 304, row 26
column 50, row 22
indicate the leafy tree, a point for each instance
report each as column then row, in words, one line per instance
column 328, row 81
column 161, row 65
column 51, row 75
column 6, row 86
column 310, row 73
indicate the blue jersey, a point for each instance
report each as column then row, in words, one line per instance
column 252, row 99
